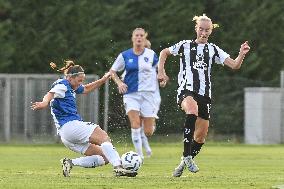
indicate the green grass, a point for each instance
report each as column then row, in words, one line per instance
column 221, row 166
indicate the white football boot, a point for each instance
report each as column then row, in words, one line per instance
column 179, row 169
column 185, row 162
column 192, row 167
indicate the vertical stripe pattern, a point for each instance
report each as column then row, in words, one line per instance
column 196, row 61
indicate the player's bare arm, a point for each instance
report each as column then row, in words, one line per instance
column 236, row 64
column 162, row 76
column 122, row 87
column 44, row 103
column 96, row 84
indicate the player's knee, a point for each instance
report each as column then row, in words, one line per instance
column 135, row 124
column 191, row 110
column 99, row 137
column 190, row 107
column 104, row 137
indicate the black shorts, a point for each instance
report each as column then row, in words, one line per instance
column 204, row 103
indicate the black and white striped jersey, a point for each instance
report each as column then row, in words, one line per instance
column 196, row 61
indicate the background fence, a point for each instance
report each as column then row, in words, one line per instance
column 19, row 122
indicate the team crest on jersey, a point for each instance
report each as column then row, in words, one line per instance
column 200, row 64
column 130, row 60
column 146, row 59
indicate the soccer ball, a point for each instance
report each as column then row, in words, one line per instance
column 131, row 161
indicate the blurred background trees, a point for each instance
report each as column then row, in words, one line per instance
column 93, row 33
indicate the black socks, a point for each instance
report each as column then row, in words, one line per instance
column 189, row 127
column 195, row 148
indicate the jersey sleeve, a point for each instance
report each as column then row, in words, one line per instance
column 118, row 64
column 174, row 50
column 80, row 89
column 58, row 90
column 221, row 56
column 155, row 60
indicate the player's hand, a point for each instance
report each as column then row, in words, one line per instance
column 38, row 105
column 122, row 88
column 162, row 78
column 163, row 83
column 244, row 48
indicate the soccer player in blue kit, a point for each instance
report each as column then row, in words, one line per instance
column 139, row 86
column 82, row 137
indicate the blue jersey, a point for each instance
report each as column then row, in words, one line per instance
column 63, row 106
column 141, row 70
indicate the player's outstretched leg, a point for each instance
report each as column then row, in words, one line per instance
column 66, row 166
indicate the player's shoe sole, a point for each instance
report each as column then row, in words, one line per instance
column 66, row 166
column 118, row 172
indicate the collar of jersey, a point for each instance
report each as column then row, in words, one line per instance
column 139, row 54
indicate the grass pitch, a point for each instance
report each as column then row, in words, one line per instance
column 221, row 166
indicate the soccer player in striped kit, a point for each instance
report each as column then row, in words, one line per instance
column 139, row 87
column 194, row 85
column 82, row 137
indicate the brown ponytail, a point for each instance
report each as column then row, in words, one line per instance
column 69, row 68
